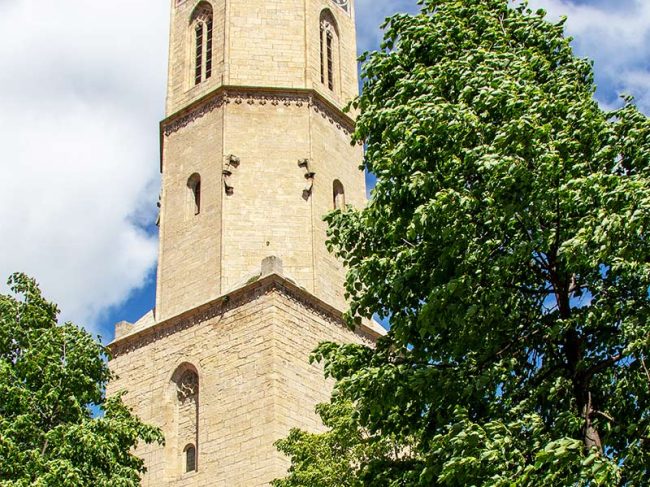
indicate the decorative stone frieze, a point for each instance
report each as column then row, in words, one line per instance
column 335, row 117
column 174, row 124
column 306, row 98
column 268, row 98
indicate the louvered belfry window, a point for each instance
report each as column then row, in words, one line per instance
column 198, row 70
column 203, row 25
column 329, row 47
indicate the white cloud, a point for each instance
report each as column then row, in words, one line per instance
column 81, row 92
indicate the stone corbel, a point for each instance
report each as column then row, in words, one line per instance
column 309, row 176
column 232, row 163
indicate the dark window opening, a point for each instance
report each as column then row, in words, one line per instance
column 197, row 198
column 194, row 194
column 330, row 63
column 208, row 51
column 190, row 458
column 199, row 54
column 338, row 195
column 322, row 57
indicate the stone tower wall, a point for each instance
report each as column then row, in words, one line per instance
column 189, row 266
column 251, row 353
column 181, row 89
column 266, row 214
column 265, row 105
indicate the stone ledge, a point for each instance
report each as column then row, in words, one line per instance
column 125, row 343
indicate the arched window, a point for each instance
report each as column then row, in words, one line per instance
column 186, row 384
column 329, row 48
column 194, row 194
column 339, row 195
column 202, row 25
column 190, row 458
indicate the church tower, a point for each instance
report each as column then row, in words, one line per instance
column 256, row 145
column 255, row 149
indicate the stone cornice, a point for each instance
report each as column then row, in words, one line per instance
column 255, row 96
column 220, row 306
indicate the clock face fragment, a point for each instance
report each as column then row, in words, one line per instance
column 344, row 4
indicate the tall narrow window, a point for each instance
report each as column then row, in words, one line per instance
column 186, row 384
column 329, row 50
column 322, row 50
column 194, row 194
column 338, row 195
column 208, row 50
column 197, row 197
column 202, row 23
column 330, row 63
column 198, row 70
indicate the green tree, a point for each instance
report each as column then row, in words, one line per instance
column 508, row 240
column 51, row 376
column 331, row 459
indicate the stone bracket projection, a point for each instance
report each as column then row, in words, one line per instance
column 232, row 163
column 309, row 176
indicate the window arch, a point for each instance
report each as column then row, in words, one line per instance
column 338, row 195
column 186, row 387
column 194, row 194
column 202, row 25
column 329, row 50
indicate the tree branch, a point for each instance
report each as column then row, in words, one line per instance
column 599, row 367
column 645, row 368
column 604, row 415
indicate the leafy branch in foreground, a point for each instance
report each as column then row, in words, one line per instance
column 51, row 376
column 508, row 242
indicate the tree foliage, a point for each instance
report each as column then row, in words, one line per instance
column 50, row 377
column 507, row 239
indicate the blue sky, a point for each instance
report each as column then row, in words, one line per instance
column 82, row 90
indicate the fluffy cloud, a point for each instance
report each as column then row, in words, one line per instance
column 81, row 92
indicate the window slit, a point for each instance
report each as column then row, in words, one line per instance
column 194, row 194
column 338, row 195
column 208, row 51
column 197, row 198
column 199, row 54
column 330, row 64
column 190, row 459
column 322, row 56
